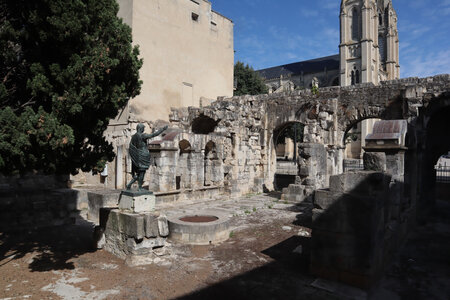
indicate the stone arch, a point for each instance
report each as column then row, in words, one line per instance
column 349, row 115
column 284, row 152
column 183, row 177
column 335, row 81
column 286, row 130
column 184, row 146
column 204, row 125
column 436, row 143
column 353, row 142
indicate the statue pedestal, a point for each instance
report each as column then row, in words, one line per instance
column 137, row 201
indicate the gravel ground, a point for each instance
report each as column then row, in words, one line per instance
column 266, row 257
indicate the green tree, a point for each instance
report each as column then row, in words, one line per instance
column 66, row 68
column 291, row 131
column 248, row 82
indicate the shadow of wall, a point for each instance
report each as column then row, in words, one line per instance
column 358, row 225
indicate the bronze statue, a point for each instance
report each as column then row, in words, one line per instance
column 140, row 156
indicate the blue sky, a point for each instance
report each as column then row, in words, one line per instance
column 269, row 33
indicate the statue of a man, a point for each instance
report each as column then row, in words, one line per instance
column 140, row 156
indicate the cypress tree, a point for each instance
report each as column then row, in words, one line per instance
column 66, row 68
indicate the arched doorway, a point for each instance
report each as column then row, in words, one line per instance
column 354, row 143
column 285, row 140
column 437, row 146
column 183, row 176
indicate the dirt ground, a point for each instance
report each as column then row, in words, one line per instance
column 266, row 257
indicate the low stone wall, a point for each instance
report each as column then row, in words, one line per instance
column 101, row 198
column 25, row 209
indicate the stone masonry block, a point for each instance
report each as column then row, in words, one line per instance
column 357, row 182
column 324, row 199
column 374, row 161
column 105, row 217
column 138, row 203
column 99, row 199
column 151, row 225
column 132, row 225
column 163, row 226
column 109, row 218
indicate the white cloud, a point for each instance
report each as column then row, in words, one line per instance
column 427, row 65
column 309, row 12
column 330, row 5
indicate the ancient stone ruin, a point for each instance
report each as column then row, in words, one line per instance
column 360, row 218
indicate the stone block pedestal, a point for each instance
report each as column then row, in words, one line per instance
column 137, row 201
column 133, row 236
column 133, row 232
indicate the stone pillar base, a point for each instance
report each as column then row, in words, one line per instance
column 137, row 201
column 134, row 237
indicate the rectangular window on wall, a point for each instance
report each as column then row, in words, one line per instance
column 187, row 94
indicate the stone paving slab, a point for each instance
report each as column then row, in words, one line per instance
column 233, row 206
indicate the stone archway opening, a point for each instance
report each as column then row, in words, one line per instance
column 286, row 139
column 203, row 125
column 436, row 163
column 183, row 176
column 354, row 143
column 442, row 168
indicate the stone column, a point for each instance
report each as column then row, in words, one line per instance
column 119, row 168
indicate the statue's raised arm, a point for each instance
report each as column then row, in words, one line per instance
column 156, row 133
column 140, row 156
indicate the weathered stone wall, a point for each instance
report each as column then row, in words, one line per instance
column 242, row 132
column 24, row 209
column 247, row 123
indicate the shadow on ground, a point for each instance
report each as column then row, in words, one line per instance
column 284, row 278
column 51, row 248
column 421, row 270
column 273, row 194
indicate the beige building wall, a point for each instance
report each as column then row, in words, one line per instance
column 188, row 54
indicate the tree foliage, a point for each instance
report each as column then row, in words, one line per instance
column 66, row 68
column 248, row 82
column 291, row 131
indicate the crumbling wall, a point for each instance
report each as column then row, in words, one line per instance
column 242, row 129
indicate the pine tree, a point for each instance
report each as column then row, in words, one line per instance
column 66, row 68
column 248, row 82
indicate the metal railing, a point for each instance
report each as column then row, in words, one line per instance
column 442, row 173
column 353, row 164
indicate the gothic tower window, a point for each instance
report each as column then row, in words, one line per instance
column 386, row 18
column 355, row 76
column 380, row 19
column 355, row 24
column 382, row 47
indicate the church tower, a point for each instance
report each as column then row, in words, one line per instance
column 369, row 42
